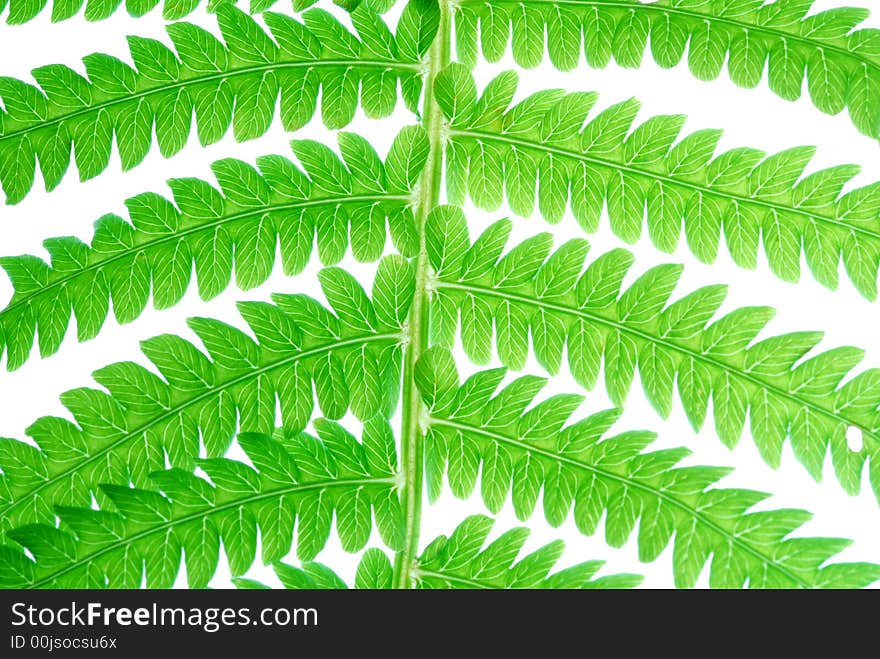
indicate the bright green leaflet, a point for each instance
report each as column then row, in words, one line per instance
column 203, row 400
column 530, row 291
column 464, row 561
column 22, row 11
column 840, row 61
column 460, row 561
column 237, row 83
column 301, row 363
column 336, row 204
column 472, row 425
column 538, row 153
column 299, row 482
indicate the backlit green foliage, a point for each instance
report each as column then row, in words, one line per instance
column 344, row 411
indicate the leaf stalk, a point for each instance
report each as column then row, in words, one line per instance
column 429, row 196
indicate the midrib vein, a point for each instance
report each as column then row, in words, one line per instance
column 202, row 79
column 181, row 235
column 627, row 482
column 694, row 15
column 238, row 503
column 666, row 180
column 648, row 338
column 29, row 496
column 411, row 403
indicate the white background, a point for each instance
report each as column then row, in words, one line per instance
column 749, row 118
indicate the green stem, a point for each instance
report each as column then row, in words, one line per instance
column 429, row 197
column 191, row 82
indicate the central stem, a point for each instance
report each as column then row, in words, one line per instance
column 429, row 197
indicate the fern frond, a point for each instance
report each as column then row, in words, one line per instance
column 22, row 11
column 673, row 345
column 313, row 575
column 840, row 60
column 462, row 561
column 524, row 451
column 350, row 359
column 237, row 228
column 541, row 148
column 301, row 480
column 237, row 83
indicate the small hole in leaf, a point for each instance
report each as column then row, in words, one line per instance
column 854, row 439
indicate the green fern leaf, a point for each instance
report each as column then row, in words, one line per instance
column 311, row 576
column 673, row 345
column 200, row 400
column 233, row 84
column 234, row 230
column 583, row 471
column 374, row 571
column 143, row 538
column 136, row 477
column 23, row 11
column 242, row 583
column 678, row 186
column 462, row 561
column 837, row 58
